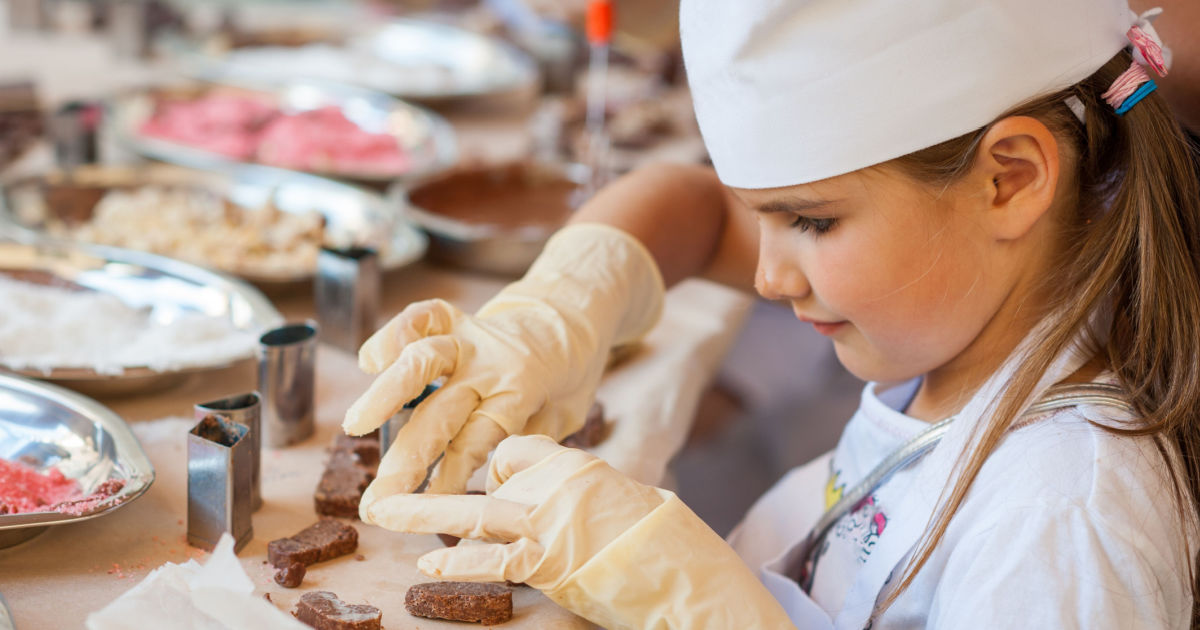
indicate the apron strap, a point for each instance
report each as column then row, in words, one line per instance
column 1056, row 397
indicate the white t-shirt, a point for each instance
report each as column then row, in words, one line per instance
column 1066, row 526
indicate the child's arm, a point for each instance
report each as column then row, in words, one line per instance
column 690, row 222
column 612, row 550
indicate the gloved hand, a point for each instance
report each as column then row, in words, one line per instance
column 528, row 362
column 621, row 554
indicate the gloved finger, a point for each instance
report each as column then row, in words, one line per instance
column 516, row 453
column 419, row 442
column 515, row 562
column 463, row 515
column 419, row 364
column 466, row 453
column 417, row 320
column 556, row 420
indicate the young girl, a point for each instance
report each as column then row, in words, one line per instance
column 992, row 216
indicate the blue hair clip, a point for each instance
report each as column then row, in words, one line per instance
column 1137, row 96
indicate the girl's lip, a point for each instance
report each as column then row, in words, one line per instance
column 825, row 328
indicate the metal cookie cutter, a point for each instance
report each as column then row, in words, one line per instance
column 389, row 429
column 347, row 295
column 287, row 383
column 219, row 469
column 243, row 409
column 75, row 133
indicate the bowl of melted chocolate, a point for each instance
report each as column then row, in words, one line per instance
column 493, row 218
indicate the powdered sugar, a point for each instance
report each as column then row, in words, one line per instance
column 45, row 327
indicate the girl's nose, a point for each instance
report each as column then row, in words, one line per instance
column 779, row 276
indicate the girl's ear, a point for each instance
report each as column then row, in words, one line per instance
column 1017, row 168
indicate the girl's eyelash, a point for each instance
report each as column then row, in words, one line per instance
column 818, row 226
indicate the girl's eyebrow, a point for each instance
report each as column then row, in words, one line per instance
column 792, row 205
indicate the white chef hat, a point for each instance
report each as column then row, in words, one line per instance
column 792, row 91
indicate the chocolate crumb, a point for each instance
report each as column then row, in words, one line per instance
column 290, row 576
column 359, row 557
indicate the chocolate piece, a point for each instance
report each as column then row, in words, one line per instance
column 365, row 447
column 324, row 540
column 213, row 429
column 511, row 195
column 460, row 601
column 351, row 468
column 291, row 575
column 594, row 430
column 74, row 205
column 324, row 611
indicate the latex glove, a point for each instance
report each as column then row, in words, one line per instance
column 621, row 554
column 528, row 362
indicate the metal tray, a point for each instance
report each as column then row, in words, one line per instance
column 353, row 216
column 142, row 280
column 427, row 139
column 47, row 425
column 409, row 58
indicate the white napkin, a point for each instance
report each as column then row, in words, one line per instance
column 190, row 596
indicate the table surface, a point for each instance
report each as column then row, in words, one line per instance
column 650, row 398
column 57, row 578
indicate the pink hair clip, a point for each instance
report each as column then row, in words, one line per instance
column 1134, row 84
column 1147, row 51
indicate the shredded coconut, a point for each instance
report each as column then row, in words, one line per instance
column 197, row 226
column 44, row 327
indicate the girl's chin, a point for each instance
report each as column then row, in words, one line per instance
column 871, row 367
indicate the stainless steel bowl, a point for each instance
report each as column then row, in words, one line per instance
column 168, row 287
column 481, row 246
column 353, row 217
column 44, row 426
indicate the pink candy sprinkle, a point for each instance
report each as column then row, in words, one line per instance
column 1149, row 49
column 23, row 489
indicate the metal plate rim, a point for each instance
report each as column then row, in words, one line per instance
column 527, row 66
column 263, row 312
column 406, row 242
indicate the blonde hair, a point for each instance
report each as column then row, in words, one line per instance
column 1133, row 246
